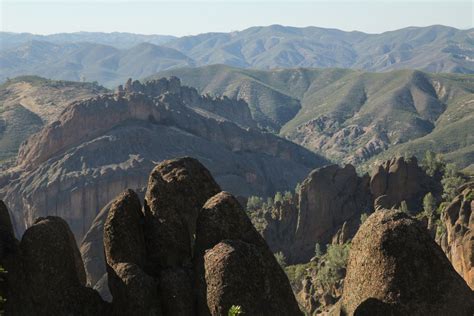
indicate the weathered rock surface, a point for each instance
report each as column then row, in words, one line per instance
column 329, row 197
column 98, row 147
column 458, row 218
column 45, row 272
column 177, row 190
column 156, row 259
column 401, row 179
column 395, row 267
column 228, row 247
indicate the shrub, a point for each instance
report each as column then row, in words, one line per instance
column 235, row 310
column 280, row 257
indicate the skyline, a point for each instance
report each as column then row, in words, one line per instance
column 196, row 17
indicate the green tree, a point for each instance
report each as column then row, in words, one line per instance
column 404, row 207
column 429, row 204
column 317, row 250
column 429, row 207
column 254, row 202
column 235, row 310
column 335, row 260
column 363, row 217
column 281, row 259
column 278, row 197
column 451, row 182
column 432, row 163
column 288, row 196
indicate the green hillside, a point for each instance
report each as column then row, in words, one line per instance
column 352, row 116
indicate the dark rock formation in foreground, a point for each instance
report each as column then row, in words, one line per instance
column 191, row 250
column 184, row 255
column 395, row 268
column 45, row 274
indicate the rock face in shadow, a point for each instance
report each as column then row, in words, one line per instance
column 45, row 272
column 156, row 259
column 401, row 179
column 329, row 198
column 395, row 263
column 458, row 218
column 101, row 146
column 228, row 247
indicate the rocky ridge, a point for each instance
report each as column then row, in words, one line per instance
column 98, row 147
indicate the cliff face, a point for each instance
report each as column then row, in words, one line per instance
column 459, row 244
column 100, row 146
column 329, row 198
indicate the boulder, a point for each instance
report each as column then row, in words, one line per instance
column 458, row 218
column 395, row 266
column 52, row 274
column 177, row 190
column 228, row 247
column 133, row 290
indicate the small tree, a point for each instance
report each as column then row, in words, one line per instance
column 235, row 310
column 280, row 257
column 429, row 204
column 254, row 202
column 404, row 207
column 432, row 163
column 317, row 250
column 429, row 207
column 278, row 197
column 451, row 182
column 288, row 196
column 363, row 217
column 269, row 202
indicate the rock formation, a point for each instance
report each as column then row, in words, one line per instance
column 184, row 250
column 401, row 179
column 98, row 147
column 395, row 268
column 458, row 218
column 329, row 197
column 190, row 250
column 45, row 271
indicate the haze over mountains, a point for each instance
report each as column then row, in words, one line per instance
column 112, row 58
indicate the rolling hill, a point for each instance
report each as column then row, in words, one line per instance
column 352, row 116
column 112, row 58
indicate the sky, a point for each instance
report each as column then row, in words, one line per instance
column 181, row 18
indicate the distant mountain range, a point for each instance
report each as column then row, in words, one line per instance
column 110, row 58
column 353, row 116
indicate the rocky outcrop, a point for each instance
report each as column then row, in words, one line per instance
column 227, row 247
column 98, row 147
column 396, row 268
column 458, row 218
column 329, row 197
column 182, row 250
column 401, row 179
column 45, row 272
column 92, row 252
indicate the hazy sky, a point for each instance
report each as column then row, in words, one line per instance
column 193, row 17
